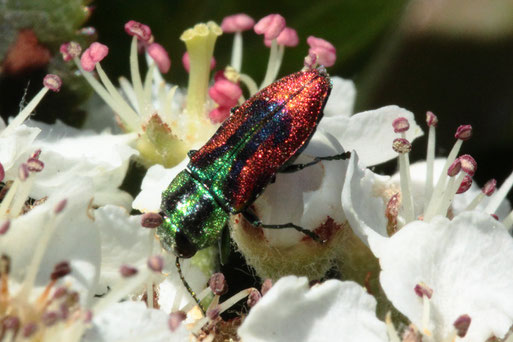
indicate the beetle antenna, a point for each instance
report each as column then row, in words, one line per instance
column 186, row 284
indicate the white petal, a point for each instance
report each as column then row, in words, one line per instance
column 370, row 133
column 362, row 201
column 68, row 152
column 342, row 97
column 133, row 321
column 307, row 197
column 75, row 240
column 467, row 262
column 157, row 179
column 123, row 242
column 332, row 311
column 16, row 148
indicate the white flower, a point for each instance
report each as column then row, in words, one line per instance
column 69, row 153
column 331, row 311
column 133, row 321
column 53, row 253
column 466, row 262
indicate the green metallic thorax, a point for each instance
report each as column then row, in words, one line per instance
column 189, row 207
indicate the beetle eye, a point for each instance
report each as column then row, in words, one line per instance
column 183, row 247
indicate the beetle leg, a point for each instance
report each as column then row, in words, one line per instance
column 251, row 218
column 297, row 167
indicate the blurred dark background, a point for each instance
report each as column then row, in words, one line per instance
column 452, row 57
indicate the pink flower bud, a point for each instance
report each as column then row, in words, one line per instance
column 237, row 23
column 141, row 31
column 187, row 64
column 70, row 50
column 92, row 55
column 225, row 93
column 52, row 82
column 325, row 51
column 160, row 56
column 270, row 26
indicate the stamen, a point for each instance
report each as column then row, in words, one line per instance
column 160, row 56
column 468, row 164
column 138, row 30
column 288, row 37
column 325, row 51
column 401, row 125
column 250, row 83
column 425, row 292
column 271, row 64
column 151, row 220
column 310, row 61
column 22, row 193
column 462, row 324
column 93, row 55
column 223, row 307
column 432, row 122
column 136, row 76
column 500, row 195
column 10, row 327
column 175, row 319
column 237, row 23
column 253, row 298
column 270, row 26
column 128, row 271
column 4, row 227
column 120, row 290
column 50, row 81
column 46, row 233
column 2, row 172
column 35, row 165
column 463, row 133
column 70, row 50
column 29, row 330
column 403, row 147
column 217, row 284
column 266, row 286
column 393, row 336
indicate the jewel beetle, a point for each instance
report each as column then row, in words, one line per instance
column 261, row 137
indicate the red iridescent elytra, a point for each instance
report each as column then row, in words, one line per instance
column 261, row 136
